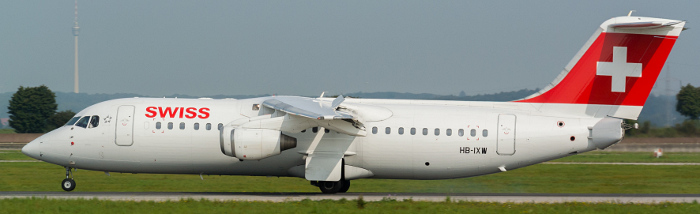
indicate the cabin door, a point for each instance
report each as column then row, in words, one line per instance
column 124, row 133
column 506, row 134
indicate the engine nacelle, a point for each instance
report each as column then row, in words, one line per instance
column 254, row 144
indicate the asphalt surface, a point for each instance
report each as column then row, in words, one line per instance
column 437, row 197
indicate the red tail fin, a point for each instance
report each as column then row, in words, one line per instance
column 617, row 66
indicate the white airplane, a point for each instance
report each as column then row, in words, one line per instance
column 332, row 141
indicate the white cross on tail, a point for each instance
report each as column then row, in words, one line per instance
column 619, row 69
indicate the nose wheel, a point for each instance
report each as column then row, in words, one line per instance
column 68, row 184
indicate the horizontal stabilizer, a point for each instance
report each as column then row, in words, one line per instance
column 645, row 24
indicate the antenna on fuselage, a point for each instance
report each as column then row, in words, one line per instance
column 630, row 13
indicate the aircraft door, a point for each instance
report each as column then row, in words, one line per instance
column 124, row 133
column 506, row 134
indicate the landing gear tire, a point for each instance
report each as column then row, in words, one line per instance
column 330, row 187
column 345, row 186
column 68, row 184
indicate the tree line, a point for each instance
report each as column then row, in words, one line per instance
column 688, row 105
column 34, row 110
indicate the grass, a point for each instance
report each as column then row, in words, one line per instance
column 7, row 131
column 543, row 178
column 39, row 176
column 36, row 205
column 13, row 155
column 633, row 157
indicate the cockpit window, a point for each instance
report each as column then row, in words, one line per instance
column 83, row 122
column 72, row 121
column 94, row 121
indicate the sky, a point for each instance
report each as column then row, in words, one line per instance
column 200, row 48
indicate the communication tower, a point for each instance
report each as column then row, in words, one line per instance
column 76, row 30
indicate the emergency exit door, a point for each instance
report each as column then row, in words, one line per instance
column 124, row 133
column 506, row 134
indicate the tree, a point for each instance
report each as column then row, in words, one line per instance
column 30, row 108
column 689, row 102
column 59, row 119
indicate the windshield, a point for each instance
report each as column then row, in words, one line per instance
column 83, row 122
column 72, row 121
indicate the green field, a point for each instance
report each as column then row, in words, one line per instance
column 13, row 155
column 328, row 206
column 541, row 178
column 633, row 157
column 534, row 179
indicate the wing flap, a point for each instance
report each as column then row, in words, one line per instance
column 306, row 107
column 324, row 166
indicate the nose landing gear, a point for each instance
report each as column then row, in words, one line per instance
column 68, row 184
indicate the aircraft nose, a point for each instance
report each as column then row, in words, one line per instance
column 32, row 149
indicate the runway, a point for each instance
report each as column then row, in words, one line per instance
column 434, row 197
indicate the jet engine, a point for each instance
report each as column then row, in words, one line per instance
column 254, row 144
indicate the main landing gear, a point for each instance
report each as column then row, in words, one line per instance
column 68, row 184
column 332, row 187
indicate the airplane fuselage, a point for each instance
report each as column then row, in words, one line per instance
column 415, row 140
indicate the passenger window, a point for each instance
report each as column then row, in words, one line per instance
column 83, row 122
column 448, row 132
column 387, row 130
column 196, row 126
column 425, row 131
column 437, row 132
column 170, row 125
column 374, row 130
column 473, row 132
column 182, row 125
column 401, row 130
column 94, row 121
column 221, row 126
column 72, row 121
column 460, row 132
column 158, row 125
column 413, row 131
column 485, row 133
column 208, row 126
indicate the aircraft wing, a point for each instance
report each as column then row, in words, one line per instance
column 325, row 154
column 309, row 108
column 320, row 112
